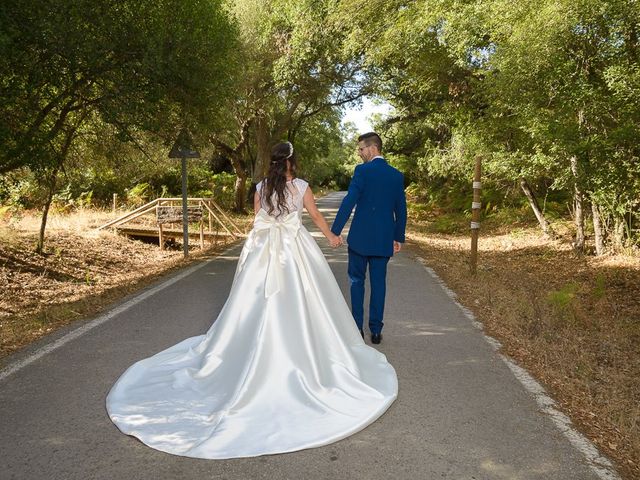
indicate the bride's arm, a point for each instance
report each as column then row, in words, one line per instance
column 309, row 203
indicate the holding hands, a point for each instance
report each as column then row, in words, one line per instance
column 335, row 240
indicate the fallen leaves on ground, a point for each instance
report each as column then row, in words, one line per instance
column 572, row 320
column 80, row 273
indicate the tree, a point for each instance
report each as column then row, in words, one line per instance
column 137, row 65
column 541, row 90
column 294, row 68
column 554, row 68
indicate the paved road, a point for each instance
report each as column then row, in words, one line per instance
column 460, row 413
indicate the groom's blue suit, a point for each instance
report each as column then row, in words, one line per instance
column 377, row 192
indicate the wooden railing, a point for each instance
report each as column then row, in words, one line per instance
column 208, row 205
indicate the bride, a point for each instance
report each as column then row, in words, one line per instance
column 282, row 368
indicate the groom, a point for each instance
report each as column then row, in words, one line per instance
column 377, row 229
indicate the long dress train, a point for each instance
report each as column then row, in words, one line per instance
column 282, row 368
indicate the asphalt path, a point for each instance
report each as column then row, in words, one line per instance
column 461, row 413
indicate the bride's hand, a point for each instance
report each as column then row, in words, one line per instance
column 334, row 240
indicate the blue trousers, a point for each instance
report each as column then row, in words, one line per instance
column 377, row 279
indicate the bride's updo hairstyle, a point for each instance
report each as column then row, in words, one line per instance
column 282, row 158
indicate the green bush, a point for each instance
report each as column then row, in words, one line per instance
column 222, row 189
column 562, row 300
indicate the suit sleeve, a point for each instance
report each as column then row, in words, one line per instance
column 400, row 211
column 350, row 201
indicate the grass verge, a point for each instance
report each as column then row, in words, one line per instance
column 81, row 273
column 573, row 321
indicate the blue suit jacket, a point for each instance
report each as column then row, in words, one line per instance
column 377, row 192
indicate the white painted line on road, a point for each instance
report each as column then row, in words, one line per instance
column 14, row 367
column 596, row 461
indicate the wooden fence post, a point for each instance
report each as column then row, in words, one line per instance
column 475, row 214
column 210, row 221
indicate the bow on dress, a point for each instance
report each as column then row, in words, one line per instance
column 277, row 227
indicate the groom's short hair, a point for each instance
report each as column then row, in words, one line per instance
column 371, row 138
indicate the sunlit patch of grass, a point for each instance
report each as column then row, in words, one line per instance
column 417, row 208
column 79, row 221
column 505, row 215
column 519, row 232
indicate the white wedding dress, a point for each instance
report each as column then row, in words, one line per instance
column 283, row 367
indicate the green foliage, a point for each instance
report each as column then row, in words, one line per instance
column 223, row 189
column 295, row 77
column 70, row 66
column 322, row 152
column 98, row 91
column 138, row 194
column 526, row 85
column 130, row 64
column 600, row 289
column 563, row 300
column 21, row 190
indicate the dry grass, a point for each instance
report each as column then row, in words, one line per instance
column 81, row 272
column 573, row 321
column 82, row 221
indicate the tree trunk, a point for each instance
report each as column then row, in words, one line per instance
column 239, row 168
column 533, row 202
column 578, row 203
column 263, row 144
column 619, row 228
column 597, row 228
column 240, row 191
column 45, row 211
column 62, row 156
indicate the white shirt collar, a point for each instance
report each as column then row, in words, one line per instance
column 377, row 156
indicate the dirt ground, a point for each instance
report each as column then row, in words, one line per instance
column 571, row 320
column 81, row 272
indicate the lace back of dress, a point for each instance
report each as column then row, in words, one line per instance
column 293, row 195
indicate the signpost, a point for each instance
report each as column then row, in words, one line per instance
column 475, row 214
column 183, row 149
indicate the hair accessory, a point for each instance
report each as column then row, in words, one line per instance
column 290, row 149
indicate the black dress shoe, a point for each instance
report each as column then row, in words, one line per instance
column 376, row 338
column 362, row 333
